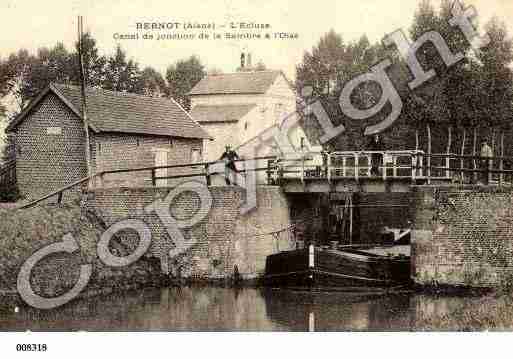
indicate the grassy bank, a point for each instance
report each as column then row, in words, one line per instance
column 493, row 312
column 24, row 232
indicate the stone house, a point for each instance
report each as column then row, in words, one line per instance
column 126, row 131
column 234, row 108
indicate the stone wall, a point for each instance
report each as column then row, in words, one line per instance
column 221, row 240
column 463, row 236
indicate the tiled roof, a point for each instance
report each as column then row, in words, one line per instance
column 109, row 111
column 236, row 83
column 220, row 113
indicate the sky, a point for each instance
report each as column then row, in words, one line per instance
column 34, row 24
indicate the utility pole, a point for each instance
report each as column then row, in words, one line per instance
column 84, row 101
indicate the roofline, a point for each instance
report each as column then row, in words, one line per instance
column 226, row 93
column 34, row 102
column 190, row 93
column 218, row 121
column 193, row 120
column 153, row 134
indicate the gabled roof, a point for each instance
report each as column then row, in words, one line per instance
column 109, row 111
column 257, row 82
column 220, row 113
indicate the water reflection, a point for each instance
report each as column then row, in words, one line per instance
column 248, row 309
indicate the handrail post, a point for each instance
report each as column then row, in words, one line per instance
column 384, row 167
column 394, row 166
column 501, row 168
column 344, row 166
column 153, row 178
column 413, row 166
column 356, row 166
column 369, row 162
column 207, row 174
column 302, row 168
column 269, row 176
column 328, row 174
column 428, row 169
column 448, row 166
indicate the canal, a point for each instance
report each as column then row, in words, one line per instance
column 253, row 309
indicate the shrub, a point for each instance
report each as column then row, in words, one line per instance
column 9, row 193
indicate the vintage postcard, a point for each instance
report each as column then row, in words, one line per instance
column 254, row 166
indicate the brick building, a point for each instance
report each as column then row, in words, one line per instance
column 126, row 131
column 236, row 107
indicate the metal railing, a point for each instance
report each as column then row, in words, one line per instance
column 354, row 165
column 205, row 167
column 390, row 165
column 350, row 165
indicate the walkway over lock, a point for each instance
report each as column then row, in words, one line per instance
column 315, row 172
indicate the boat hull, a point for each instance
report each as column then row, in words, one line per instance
column 332, row 268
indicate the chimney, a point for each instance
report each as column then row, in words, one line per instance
column 242, row 58
column 248, row 61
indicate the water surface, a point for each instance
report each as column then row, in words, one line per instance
column 228, row 309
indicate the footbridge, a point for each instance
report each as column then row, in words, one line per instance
column 323, row 172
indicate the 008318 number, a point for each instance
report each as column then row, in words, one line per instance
column 31, row 347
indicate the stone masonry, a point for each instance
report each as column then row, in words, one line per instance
column 222, row 240
column 462, row 236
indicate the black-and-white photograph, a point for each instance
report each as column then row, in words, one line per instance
column 243, row 166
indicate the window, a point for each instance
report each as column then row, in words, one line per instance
column 196, row 155
column 99, row 147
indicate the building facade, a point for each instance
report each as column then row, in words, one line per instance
column 235, row 108
column 125, row 130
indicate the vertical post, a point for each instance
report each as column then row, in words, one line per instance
column 356, row 167
column 384, row 167
column 369, row 162
column 153, row 178
column 83, row 86
column 394, row 166
column 448, row 166
column 344, row 168
column 311, row 256
column 302, row 168
column 501, row 163
column 421, row 165
column 428, row 169
column 351, row 219
column 328, row 174
column 59, row 198
column 269, row 177
column 413, row 166
column 102, row 180
column 207, row 174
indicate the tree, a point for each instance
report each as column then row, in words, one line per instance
column 94, row 64
column 122, row 75
column 152, row 83
column 181, row 78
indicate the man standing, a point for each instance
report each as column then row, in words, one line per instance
column 486, row 160
column 230, row 170
column 376, row 145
